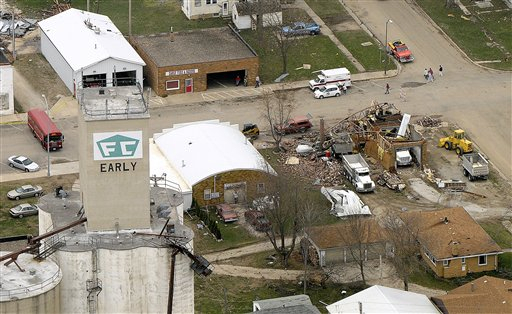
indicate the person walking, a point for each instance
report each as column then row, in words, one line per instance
column 237, row 80
column 344, row 88
column 245, row 80
column 440, row 70
column 431, row 75
column 258, row 82
column 425, row 74
column 387, row 89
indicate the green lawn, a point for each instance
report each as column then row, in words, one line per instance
column 497, row 232
column 224, row 294
column 148, row 16
column 318, row 51
column 470, row 35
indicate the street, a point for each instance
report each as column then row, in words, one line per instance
column 474, row 98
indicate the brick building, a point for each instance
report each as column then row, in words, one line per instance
column 189, row 61
column 452, row 243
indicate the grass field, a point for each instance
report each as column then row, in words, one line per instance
column 484, row 36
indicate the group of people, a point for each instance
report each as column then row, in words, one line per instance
column 237, row 81
column 429, row 74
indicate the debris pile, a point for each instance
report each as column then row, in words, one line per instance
column 391, row 180
column 428, row 121
column 21, row 25
column 56, row 8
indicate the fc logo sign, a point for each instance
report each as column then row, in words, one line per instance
column 118, row 145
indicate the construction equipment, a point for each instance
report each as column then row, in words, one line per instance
column 457, row 141
column 251, row 131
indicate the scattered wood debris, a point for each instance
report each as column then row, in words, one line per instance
column 428, row 121
column 391, row 180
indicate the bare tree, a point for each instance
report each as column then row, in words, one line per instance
column 358, row 235
column 449, row 3
column 277, row 109
column 402, row 233
column 282, row 208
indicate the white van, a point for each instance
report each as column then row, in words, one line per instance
column 333, row 76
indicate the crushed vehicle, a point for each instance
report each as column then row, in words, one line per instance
column 357, row 172
column 251, row 130
column 226, row 213
column 345, row 202
column 329, row 90
column 475, row 166
column 294, row 125
column 257, row 219
column 400, row 51
column 301, row 28
column 340, row 76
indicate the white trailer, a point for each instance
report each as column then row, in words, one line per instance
column 339, row 76
column 475, row 166
column 358, row 173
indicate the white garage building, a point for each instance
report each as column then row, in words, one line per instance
column 87, row 50
column 211, row 161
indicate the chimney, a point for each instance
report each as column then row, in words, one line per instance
column 171, row 35
column 472, row 287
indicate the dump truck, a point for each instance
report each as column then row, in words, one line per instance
column 458, row 142
column 356, row 170
column 475, row 166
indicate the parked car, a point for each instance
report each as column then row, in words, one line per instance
column 25, row 191
column 226, row 213
column 294, row 125
column 329, row 90
column 257, row 219
column 23, row 163
column 24, row 210
column 301, row 28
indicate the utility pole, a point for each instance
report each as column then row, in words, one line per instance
column 47, row 135
column 130, row 18
column 13, row 37
column 386, row 45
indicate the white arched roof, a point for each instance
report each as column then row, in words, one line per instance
column 202, row 149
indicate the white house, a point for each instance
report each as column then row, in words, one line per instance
column 195, row 9
column 379, row 299
column 6, row 85
column 245, row 14
column 87, row 49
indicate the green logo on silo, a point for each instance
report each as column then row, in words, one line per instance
column 118, row 146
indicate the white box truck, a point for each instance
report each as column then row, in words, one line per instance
column 334, row 76
column 358, row 173
column 403, row 157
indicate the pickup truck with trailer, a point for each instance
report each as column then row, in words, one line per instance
column 358, row 173
column 340, row 76
column 301, row 28
column 475, row 166
column 400, row 51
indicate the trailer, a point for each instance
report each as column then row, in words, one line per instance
column 356, row 170
column 475, row 166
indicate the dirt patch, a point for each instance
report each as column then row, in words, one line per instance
column 344, row 25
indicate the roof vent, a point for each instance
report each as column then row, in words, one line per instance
column 183, row 163
column 445, row 220
column 96, row 30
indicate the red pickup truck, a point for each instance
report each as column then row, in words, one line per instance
column 400, row 51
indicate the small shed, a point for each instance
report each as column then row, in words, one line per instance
column 244, row 14
column 87, row 50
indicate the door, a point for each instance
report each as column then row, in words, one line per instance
column 225, row 8
column 189, row 85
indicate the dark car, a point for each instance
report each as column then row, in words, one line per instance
column 295, row 125
column 226, row 213
column 257, row 219
column 25, row 191
column 24, row 210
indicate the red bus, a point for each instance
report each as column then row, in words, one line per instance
column 42, row 126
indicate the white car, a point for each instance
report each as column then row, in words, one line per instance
column 24, row 210
column 23, row 163
column 329, row 90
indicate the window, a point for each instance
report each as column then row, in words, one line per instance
column 207, row 194
column 172, row 85
column 197, row 3
column 211, row 1
column 482, row 260
column 446, row 263
column 261, row 188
